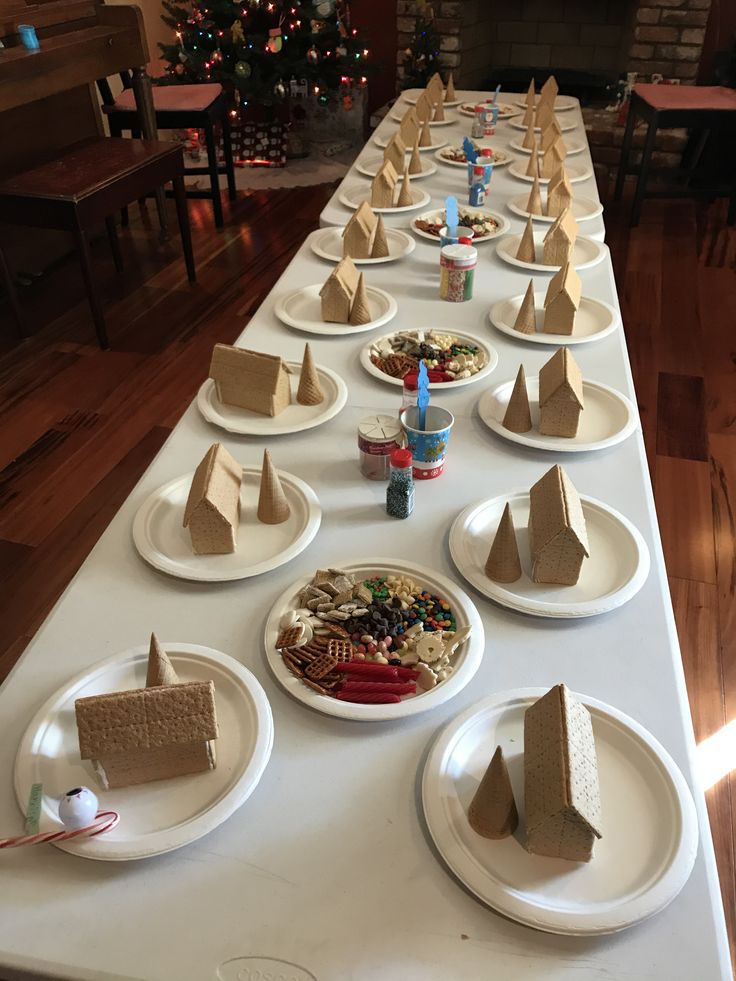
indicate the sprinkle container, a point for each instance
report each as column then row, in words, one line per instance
column 378, row 437
column 457, row 270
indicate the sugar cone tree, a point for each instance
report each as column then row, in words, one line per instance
column 426, row 138
column 450, row 94
column 360, row 312
column 439, row 113
column 532, row 168
column 530, row 139
column 527, row 251
column 405, row 195
column 309, row 391
column 492, row 812
column 526, row 319
column 273, row 508
column 503, row 563
column 160, row 669
column 380, row 243
column 534, row 204
column 415, row 163
column 518, row 418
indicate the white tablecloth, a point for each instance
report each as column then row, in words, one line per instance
column 328, row 865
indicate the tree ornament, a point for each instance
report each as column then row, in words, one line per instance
column 179, row 69
column 325, row 8
column 242, row 69
column 236, row 32
column 216, row 56
column 275, row 40
column 183, row 56
column 318, row 26
column 341, row 51
column 313, row 55
column 347, row 102
column 323, row 98
column 279, row 89
column 236, row 96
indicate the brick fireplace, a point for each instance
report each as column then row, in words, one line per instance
column 588, row 44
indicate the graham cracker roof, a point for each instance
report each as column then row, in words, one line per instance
column 566, row 280
column 561, row 378
column 226, row 358
column 363, row 216
column 344, row 277
column 145, row 718
column 554, row 508
column 560, row 764
column 565, row 225
column 216, row 481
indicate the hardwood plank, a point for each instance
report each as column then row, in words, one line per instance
column 718, row 308
column 679, row 337
column 681, row 428
column 684, row 509
column 696, row 613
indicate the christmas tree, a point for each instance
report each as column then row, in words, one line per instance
column 262, row 50
column 422, row 57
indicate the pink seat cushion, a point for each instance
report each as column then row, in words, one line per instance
column 174, row 97
column 687, row 96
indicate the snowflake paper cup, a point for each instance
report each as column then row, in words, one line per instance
column 429, row 445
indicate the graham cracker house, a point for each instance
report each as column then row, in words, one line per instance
column 250, row 380
column 395, row 152
column 561, row 301
column 561, row 789
column 557, row 534
column 212, row 511
column 558, row 243
column 359, row 233
column 338, row 292
column 166, row 729
column 383, row 186
column 560, row 395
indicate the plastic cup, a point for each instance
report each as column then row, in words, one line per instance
column 27, row 34
column 428, row 446
column 462, row 231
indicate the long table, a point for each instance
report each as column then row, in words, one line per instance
column 328, row 866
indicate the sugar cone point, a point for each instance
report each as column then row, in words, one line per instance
column 426, row 138
column 450, row 89
column 415, row 163
column 534, row 204
column 492, row 812
column 532, row 168
column 380, row 243
column 518, row 418
column 273, row 508
column 439, row 113
column 309, row 391
column 160, row 669
column 503, row 564
column 405, row 196
column 360, row 312
column 526, row 320
column 527, row 251
column 529, row 137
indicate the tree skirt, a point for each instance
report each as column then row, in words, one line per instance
column 314, row 169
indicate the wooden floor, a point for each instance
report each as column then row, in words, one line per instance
column 78, row 427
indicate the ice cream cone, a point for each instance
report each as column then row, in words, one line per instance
column 309, row 391
column 360, row 312
column 273, row 508
column 492, row 812
column 518, row 418
column 160, row 669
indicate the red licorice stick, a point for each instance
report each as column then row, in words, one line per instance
column 390, row 688
column 407, row 674
column 381, row 672
column 368, row 698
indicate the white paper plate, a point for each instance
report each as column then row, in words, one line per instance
column 505, row 109
column 586, row 252
column 608, row 418
column 398, row 116
column 155, row 817
column 503, row 224
column 302, row 309
column 327, row 244
column 490, row 352
column 583, row 209
column 437, row 142
column 562, row 103
column 650, row 826
column 564, row 124
column 571, row 147
column 575, row 174
column 503, row 159
column 166, row 545
column 355, row 196
column 616, row 570
column 594, row 320
column 466, row 662
column 371, row 167
column 295, row 418
column 413, row 99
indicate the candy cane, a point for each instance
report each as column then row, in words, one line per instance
column 105, row 821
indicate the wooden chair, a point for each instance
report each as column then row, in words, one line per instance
column 704, row 107
column 85, row 186
column 201, row 106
